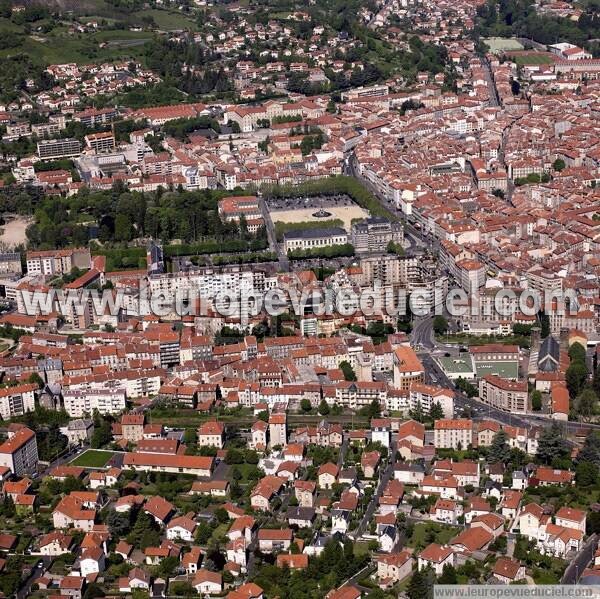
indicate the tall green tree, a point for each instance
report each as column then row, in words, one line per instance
column 421, row 584
column 348, row 371
column 576, row 377
column 586, row 403
column 586, row 474
column 536, row 401
column 552, row 444
column 577, row 352
column 440, row 325
column 590, row 452
column 499, row 450
column 324, row 408
column 436, row 412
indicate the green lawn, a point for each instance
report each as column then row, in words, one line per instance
column 93, row 458
column 58, row 46
column 421, row 537
column 220, row 531
column 361, row 548
column 532, row 58
column 244, row 469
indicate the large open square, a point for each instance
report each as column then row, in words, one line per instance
column 316, row 209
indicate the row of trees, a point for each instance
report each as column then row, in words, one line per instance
column 332, row 251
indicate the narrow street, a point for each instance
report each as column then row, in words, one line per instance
column 383, row 481
column 274, row 246
column 343, row 450
column 580, row 561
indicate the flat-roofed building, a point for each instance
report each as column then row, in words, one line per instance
column 52, row 149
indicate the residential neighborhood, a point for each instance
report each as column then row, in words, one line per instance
column 298, row 300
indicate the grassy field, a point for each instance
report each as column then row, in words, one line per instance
column 170, row 20
column 59, row 45
column 442, row 532
column 361, row 548
column 93, row 458
column 220, row 531
column 532, row 58
column 67, row 48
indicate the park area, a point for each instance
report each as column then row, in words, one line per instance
column 13, row 231
column 93, row 458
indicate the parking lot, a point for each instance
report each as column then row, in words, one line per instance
column 319, row 201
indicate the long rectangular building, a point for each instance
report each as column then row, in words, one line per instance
column 53, row 149
column 173, row 464
column 309, row 239
column 510, row 396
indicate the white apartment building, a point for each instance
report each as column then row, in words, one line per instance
column 57, row 262
column 80, row 402
column 16, row 401
column 19, row 452
column 453, row 433
column 428, row 395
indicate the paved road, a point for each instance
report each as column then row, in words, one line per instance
column 494, row 98
column 343, row 450
column 383, row 481
column 70, row 455
column 25, row 590
column 480, row 409
column 274, row 246
column 422, row 333
column 580, row 561
column 366, row 571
